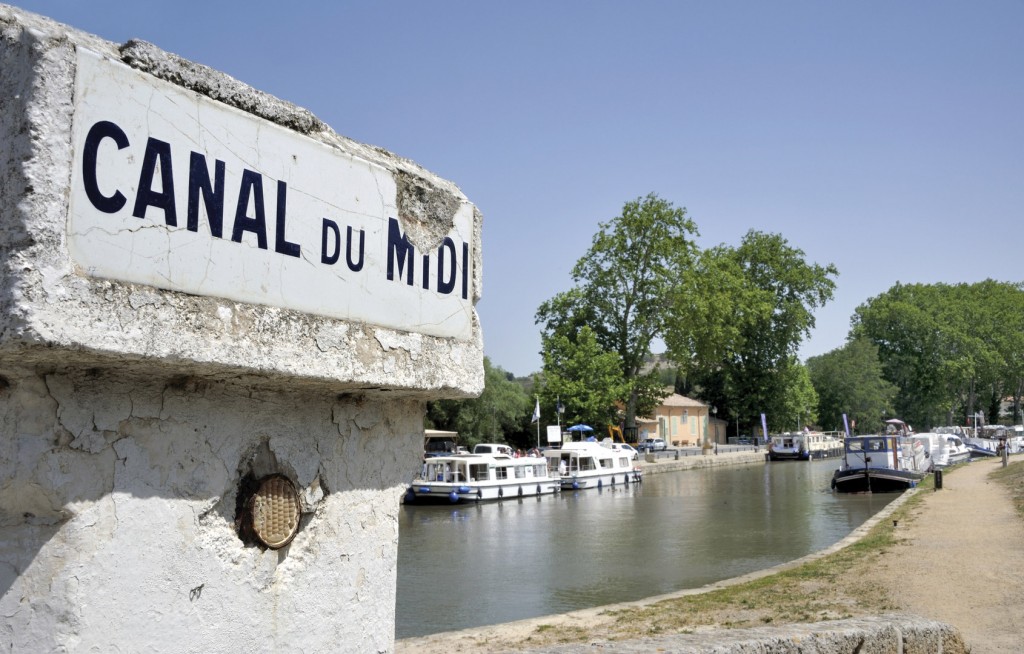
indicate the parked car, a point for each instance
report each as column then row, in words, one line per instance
column 653, row 444
column 629, row 448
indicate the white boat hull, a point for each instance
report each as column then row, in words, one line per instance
column 584, row 481
column 445, row 493
column 481, row 478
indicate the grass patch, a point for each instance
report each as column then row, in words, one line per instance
column 838, row 586
column 1012, row 477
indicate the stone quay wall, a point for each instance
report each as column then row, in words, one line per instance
column 655, row 465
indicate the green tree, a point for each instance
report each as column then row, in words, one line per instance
column 915, row 348
column 584, row 377
column 623, row 288
column 502, row 408
column 950, row 349
column 1001, row 305
column 930, row 347
column 741, row 317
column 798, row 406
column 849, row 380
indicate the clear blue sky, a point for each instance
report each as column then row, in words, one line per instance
column 884, row 137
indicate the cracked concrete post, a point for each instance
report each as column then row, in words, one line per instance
column 203, row 286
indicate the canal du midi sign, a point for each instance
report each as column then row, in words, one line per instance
column 177, row 191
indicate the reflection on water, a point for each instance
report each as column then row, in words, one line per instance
column 472, row 565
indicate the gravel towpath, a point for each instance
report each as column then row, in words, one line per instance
column 960, row 560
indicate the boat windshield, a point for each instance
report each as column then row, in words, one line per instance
column 865, row 445
column 444, row 470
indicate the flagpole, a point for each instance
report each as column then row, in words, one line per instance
column 538, row 420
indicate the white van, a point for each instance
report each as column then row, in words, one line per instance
column 494, row 449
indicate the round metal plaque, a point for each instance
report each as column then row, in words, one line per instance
column 275, row 512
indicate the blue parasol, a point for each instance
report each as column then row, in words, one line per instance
column 581, row 428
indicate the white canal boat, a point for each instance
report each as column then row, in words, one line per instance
column 822, row 445
column 589, row 464
column 480, row 477
column 804, row 446
column 789, row 447
column 943, row 449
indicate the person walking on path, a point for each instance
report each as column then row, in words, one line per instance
column 957, row 562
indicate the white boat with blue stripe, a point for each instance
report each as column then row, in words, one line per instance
column 465, row 478
column 589, row 464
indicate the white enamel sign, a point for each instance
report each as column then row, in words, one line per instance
column 174, row 190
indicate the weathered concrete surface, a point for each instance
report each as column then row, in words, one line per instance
column 889, row 634
column 131, row 417
column 118, row 508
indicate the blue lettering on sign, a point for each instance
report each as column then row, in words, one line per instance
column 207, row 193
column 252, row 182
column 330, row 245
column 158, row 164
column 329, row 231
column 399, row 249
column 213, row 194
column 445, row 286
column 157, row 151
column 104, row 129
column 281, row 244
column 400, row 252
column 355, row 266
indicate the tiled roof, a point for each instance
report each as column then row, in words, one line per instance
column 675, row 399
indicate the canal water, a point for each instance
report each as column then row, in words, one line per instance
column 464, row 566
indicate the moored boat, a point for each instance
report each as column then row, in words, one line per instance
column 589, row 464
column 943, row 449
column 788, row 447
column 981, row 447
column 957, row 450
column 821, row 445
column 480, row 477
column 880, row 464
column 804, row 446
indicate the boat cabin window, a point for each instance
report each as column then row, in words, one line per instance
column 500, row 472
column 520, row 472
column 478, row 472
column 866, row 444
column 606, row 463
column 437, row 471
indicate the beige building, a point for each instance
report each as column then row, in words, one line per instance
column 683, row 422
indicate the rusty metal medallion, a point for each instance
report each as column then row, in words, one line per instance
column 275, row 511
